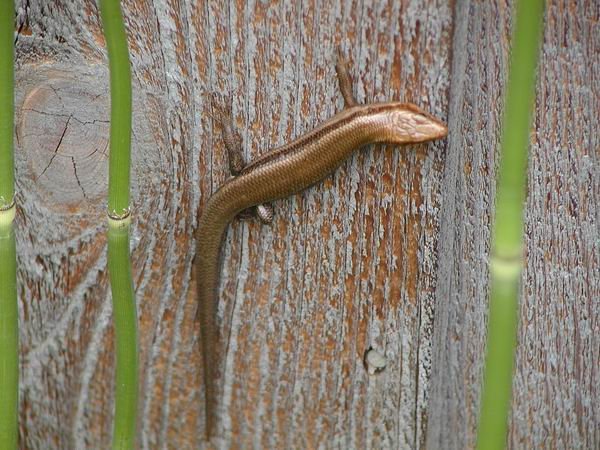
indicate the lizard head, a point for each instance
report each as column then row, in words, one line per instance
column 405, row 123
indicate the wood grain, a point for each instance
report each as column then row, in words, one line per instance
column 390, row 252
column 556, row 401
column 479, row 67
column 557, row 380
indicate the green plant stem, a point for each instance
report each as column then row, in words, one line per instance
column 9, row 340
column 9, row 324
column 120, row 111
column 125, row 320
column 7, row 171
column 506, row 259
column 119, row 266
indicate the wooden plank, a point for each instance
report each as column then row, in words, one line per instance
column 347, row 265
column 556, row 396
column 557, row 380
column 480, row 58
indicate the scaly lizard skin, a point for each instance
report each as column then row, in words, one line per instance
column 282, row 172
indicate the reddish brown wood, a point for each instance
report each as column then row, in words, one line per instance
column 390, row 253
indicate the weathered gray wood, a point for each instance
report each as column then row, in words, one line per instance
column 557, row 379
column 556, row 396
column 348, row 265
column 364, row 259
column 479, row 64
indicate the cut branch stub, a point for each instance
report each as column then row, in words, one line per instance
column 63, row 128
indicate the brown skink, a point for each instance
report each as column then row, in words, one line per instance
column 282, row 172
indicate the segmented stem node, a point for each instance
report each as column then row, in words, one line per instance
column 119, row 221
column 506, row 267
column 7, row 213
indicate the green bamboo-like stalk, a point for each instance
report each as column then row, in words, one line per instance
column 9, row 325
column 507, row 248
column 120, row 112
column 7, row 170
column 125, row 320
column 9, row 340
column 119, row 265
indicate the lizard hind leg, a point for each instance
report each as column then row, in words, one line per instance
column 345, row 82
column 235, row 152
column 264, row 212
column 233, row 141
